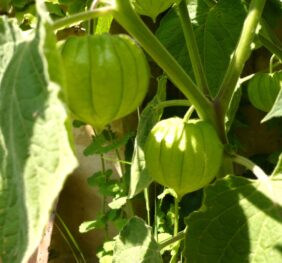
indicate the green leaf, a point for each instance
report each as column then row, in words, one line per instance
column 240, row 221
column 35, row 153
column 272, row 12
column 91, row 225
column 4, row 6
column 100, row 178
column 135, row 244
column 54, row 9
column 100, row 222
column 21, row 3
column 118, row 203
column 10, row 37
column 101, row 145
column 217, row 26
column 276, row 110
column 74, row 6
column 139, row 177
column 277, row 172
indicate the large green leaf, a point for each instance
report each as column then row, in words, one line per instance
column 217, row 26
column 240, row 221
column 35, row 153
column 136, row 244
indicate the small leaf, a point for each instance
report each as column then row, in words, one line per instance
column 99, row 178
column 100, row 144
column 240, row 221
column 139, row 178
column 118, row 203
column 277, row 172
column 131, row 247
column 90, row 225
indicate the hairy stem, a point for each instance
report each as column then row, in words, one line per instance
column 192, row 48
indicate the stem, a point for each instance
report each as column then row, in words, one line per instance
column 128, row 207
column 67, row 21
column 268, row 69
column 257, row 171
column 240, row 55
column 271, row 62
column 176, row 216
column 173, row 103
column 68, row 244
column 104, row 202
column 70, row 237
column 116, row 160
column 126, row 16
column 175, row 231
column 178, row 237
column 147, row 201
column 192, row 47
column 91, row 23
column 188, row 114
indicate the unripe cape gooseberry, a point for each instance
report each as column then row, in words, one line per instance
column 184, row 156
column 107, row 77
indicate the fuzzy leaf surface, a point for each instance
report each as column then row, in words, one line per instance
column 240, row 221
column 136, row 244
column 35, row 152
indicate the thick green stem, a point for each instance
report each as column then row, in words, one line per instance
column 126, row 16
column 192, row 48
column 240, row 55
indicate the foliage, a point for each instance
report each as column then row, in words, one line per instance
column 203, row 55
